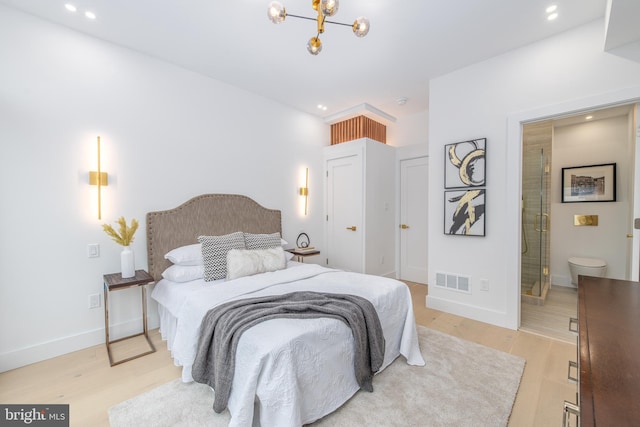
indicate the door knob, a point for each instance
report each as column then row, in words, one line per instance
column 630, row 236
column 404, row 226
column 352, row 228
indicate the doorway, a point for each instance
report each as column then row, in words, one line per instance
column 549, row 233
column 414, row 175
column 344, row 213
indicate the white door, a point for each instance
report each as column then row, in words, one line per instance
column 413, row 219
column 344, row 213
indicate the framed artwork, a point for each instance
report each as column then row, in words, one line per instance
column 464, row 164
column 464, row 212
column 593, row 183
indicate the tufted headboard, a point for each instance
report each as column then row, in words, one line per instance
column 209, row 214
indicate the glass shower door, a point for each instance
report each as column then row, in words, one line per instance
column 541, row 229
column 535, row 214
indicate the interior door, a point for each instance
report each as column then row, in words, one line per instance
column 345, row 228
column 413, row 219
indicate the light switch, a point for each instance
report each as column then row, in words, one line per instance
column 93, row 250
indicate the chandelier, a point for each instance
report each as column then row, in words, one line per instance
column 277, row 15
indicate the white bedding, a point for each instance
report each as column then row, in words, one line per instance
column 288, row 372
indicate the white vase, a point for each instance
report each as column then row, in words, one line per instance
column 127, row 263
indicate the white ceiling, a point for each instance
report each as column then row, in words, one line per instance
column 410, row 42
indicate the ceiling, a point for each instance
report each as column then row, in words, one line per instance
column 410, row 42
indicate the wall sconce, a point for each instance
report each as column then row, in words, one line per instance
column 99, row 178
column 304, row 191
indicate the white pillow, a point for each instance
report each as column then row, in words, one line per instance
column 186, row 255
column 247, row 262
column 184, row 273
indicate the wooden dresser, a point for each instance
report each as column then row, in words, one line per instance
column 609, row 352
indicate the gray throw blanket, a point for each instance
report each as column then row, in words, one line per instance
column 223, row 325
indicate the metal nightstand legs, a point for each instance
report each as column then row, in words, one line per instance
column 144, row 332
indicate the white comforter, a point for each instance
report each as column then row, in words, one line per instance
column 288, row 372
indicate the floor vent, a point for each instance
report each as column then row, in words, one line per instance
column 453, row 282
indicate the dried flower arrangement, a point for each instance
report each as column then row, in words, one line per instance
column 125, row 235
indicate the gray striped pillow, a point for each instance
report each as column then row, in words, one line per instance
column 262, row 241
column 214, row 253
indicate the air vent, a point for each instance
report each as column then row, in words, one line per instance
column 453, row 282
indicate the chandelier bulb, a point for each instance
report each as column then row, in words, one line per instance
column 314, row 46
column 276, row 12
column 329, row 7
column 361, row 26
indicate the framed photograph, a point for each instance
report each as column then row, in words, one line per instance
column 464, row 212
column 464, row 164
column 594, row 183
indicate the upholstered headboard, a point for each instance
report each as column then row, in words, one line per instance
column 209, row 214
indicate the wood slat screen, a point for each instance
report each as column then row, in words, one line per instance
column 356, row 128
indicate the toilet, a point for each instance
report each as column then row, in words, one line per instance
column 587, row 267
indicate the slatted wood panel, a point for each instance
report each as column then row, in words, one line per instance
column 356, row 128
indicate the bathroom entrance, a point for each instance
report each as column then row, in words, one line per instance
column 536, row 184
column 553, row 235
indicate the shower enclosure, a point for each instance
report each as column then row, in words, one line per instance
column 536, row 180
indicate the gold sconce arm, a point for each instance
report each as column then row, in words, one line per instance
column 93, row 178
column 304, row 191
column 100, row 179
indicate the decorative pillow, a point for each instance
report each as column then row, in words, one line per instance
column 247, row 262
column 183, row 273
column 214, row 253
column 262, row 241
column 186, row 255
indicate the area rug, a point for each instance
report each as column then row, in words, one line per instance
column 462, row 384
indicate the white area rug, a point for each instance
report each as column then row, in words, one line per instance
column 462, row 384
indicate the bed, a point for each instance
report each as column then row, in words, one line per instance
column 288, row 372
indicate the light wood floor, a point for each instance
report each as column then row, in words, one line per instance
column 85, row 380
column 552, row 318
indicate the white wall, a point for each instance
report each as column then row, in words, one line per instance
column 167, row 135
column 590, row 143
column 412, row 130
column 560, row 74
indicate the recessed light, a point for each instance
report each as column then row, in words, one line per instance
column 552, row 8
column 588, row 118
column 322, row 107
column 90, row 15
column 552, row 16
column 70, row 7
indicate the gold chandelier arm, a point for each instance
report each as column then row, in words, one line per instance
column 301, row 17
column 338, row 23
column 315, row 19
column 320, row 20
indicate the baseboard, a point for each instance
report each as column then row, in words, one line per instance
column 493, row 317
column 54, row 348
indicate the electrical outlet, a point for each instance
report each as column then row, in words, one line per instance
column 484, row 284
column 94, row 301
column 93, row 250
